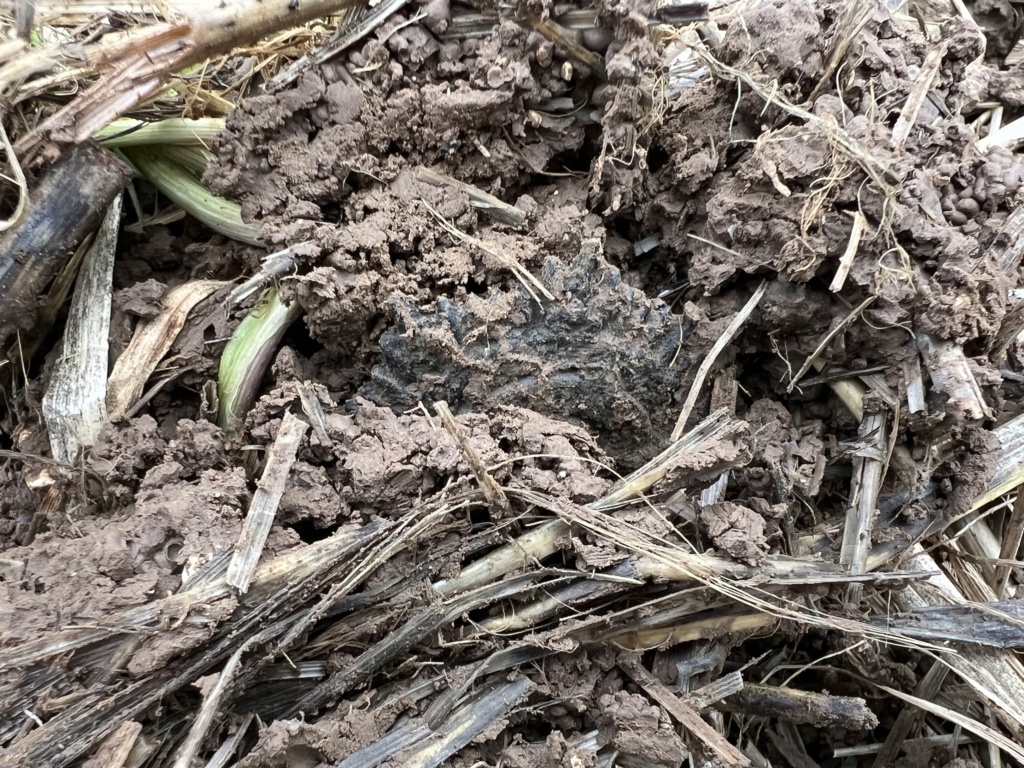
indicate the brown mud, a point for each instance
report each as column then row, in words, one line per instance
column 651, row 215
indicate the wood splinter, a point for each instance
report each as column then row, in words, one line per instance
column 264, row 504
column 800, row 707
column 682, row 712
column 492, row 491
column 868, row 474
column 489, row 204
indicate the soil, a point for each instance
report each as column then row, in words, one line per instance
column 650, row 220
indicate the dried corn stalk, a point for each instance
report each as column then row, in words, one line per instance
column 152, row 340
column 74, row 405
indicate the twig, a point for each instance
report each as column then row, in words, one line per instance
column 692, row 630
column 974, row 536
column 852, row 392
column 413, row 528
column 49, row 506
column 470, row 23
column 868, row 468
column 787, row 739
column 724, row 392
column 665, row 565
column 536, row 544
column 836, row 375
column 853, row 315
column 715, row 492
column 801, row 707
column 440, row 731
column 665, row 560
column 1009, row 465
column 492, row 491
column 860, row 224
column 996, row 117
column 209, row 709
column 854, row 17
column 965, row 14
column 263, row 508
column 278, row 584
column 918, row 93
column 671, row 563
column 990, row 625
column 685, row 715
column 955, row 739
column 314, row 412
column 718, row 425
column 1010, row 328
column 1009, row 473
column 1007, row 136
column 719, row 346
column 604, row 585
column 1008, row 246
column 154, row 390
column 705, row 696
column 358, row 22
column 424, row 622
column 50, row 305
column 525, row 276
column 489, row 204
column 24, row 15
column 997, row 676
column 138, row 66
